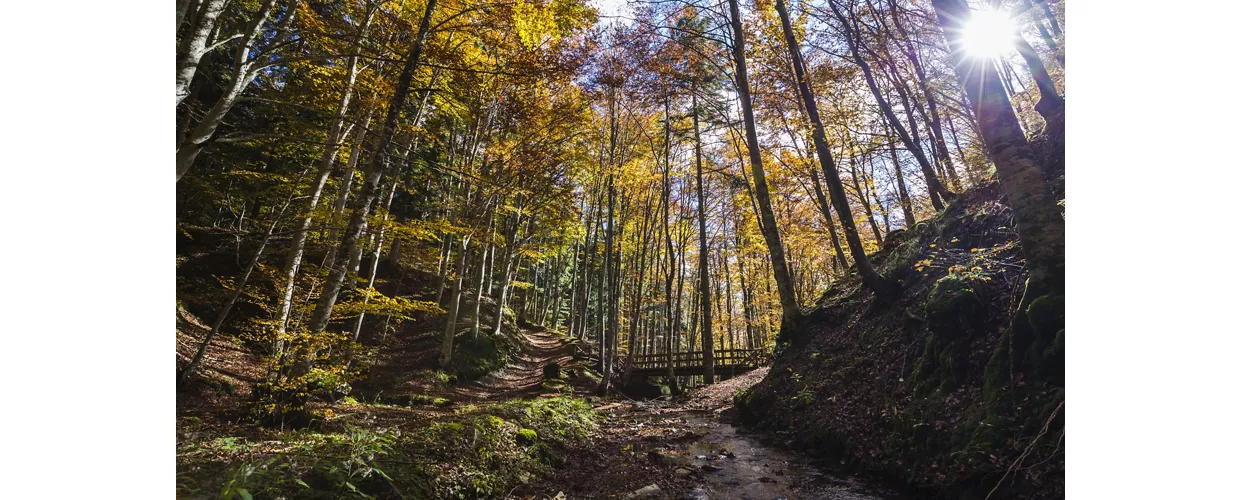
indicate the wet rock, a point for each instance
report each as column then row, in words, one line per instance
column 696, row 494
column 648, row 491
column 655, row 456
column 711, row 468
column 681, row 471
column 765, row 479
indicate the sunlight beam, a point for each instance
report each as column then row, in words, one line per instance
column 988, row 34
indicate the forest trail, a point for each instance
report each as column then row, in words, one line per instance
column 523, row 374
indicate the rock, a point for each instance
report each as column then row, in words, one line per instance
column 711, row 468
column 649, row 491
column 696, row 494
column 765, row 479
column 655, row 456
column 681, row 471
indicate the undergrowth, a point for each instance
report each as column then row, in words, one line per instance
column 475, row 451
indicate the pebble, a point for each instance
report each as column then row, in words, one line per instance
column 650, row 491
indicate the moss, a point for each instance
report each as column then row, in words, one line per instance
column 1046, row 315
column 527, row 436
column 478, row 357
column 1043, row 343
column 953, row 308
column 996, row 376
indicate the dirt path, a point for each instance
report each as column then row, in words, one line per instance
column 524, row 373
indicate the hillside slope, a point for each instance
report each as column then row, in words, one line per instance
column 924, row 390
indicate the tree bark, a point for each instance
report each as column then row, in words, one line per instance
column 377, row 167
column 244, row 72
column 191, row 48
column 1038, row 221
column 770, row 232
column 835, row 187
column 708, row 342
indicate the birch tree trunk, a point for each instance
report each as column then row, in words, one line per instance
column 191, row 48
column 335, row 137
column 245, row 69
column 377, row 167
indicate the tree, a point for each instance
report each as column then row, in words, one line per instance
column 783, row 276
column 872, row 279
column 1038, row 220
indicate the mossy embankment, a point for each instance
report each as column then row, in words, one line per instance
column 370, row 450
column 941, row 389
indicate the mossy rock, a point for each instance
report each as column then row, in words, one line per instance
column 953, row 308
column 1046, row 315
column 1044, row 354
column 527, row 436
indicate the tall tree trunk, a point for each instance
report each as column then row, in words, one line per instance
column 837, row 259
column 608, row 277
column 454, row 299
column 374, row 265
column 243, row 73
column 335, row 138
column 927, row 170
column 770, row 232
column 708, row 342
column 505, row 286
column 672, row 321
column 1050, row 105
column 475, row 329
column 906, row 204
column 378, row 166
column 1038, row 221
column 193, row 46
column 881, row 287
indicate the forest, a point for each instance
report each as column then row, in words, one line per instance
column 646, row 249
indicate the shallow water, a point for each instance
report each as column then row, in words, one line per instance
column 738, row 465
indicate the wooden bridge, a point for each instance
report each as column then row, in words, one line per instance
column 728, row 362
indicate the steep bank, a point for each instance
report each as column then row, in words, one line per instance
column 924, row 390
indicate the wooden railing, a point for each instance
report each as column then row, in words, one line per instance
column 724, row 358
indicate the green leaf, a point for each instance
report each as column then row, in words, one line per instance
column 245, row 494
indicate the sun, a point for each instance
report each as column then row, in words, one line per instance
column 989, row 34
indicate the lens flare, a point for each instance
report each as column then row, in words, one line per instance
column 988, row 34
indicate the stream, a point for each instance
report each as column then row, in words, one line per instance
column 726, row 462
